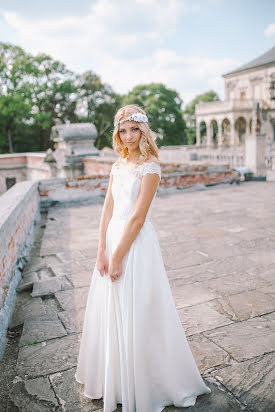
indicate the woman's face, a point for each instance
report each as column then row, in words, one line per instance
column 129, row 134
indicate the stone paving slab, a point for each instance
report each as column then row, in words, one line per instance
column 41, row 329
column 218, row 250
column 245, row 340
column 246, row 305
column 48, row 357
column 201, row 317
column 50, row 286
column 252, row 382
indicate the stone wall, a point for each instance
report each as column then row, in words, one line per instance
column 22, row 166
column 174, row 176
column 19, row 213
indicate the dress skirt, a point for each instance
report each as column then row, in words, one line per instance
column 133, row 346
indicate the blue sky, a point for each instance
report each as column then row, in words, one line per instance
column 185, row 44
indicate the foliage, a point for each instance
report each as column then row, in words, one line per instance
column 163, row 108
column 37, row 90
column 189, row 113
column 97, row 103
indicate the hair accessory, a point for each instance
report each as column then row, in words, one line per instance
column 137, row 117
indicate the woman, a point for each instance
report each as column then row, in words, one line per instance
column 133, row 348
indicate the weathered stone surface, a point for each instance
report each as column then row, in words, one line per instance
column 185, row 259
column 48, row 357
column 247, row 339
column 219, row 400
column 235, row 283
column 266, row 273
column 35, row 395
column 73, row 319
column 211, row 252
column 207, row 354
column 202, row 317
column 41, row 329
column 187, row 295
column 70, row 393
column 81, row 279
column 72, row 299
column 27, row 282
column 245, row 305
column 50, row 286
column 252, row 381
column 32, row 308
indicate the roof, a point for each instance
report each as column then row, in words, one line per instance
column 69, row 131
column 264, row 59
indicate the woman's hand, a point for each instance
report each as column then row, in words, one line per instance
column 102, row 263
column 115, row 268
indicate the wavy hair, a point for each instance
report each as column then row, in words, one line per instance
column 147, row 143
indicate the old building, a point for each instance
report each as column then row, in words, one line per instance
column 226, row 124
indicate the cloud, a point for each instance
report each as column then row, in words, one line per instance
column 125, row 45
column 270, row 30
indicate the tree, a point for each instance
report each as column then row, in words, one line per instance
column 42, row 85
column 14, row 115
column 163, row 108
column 189, row 113
column 97, row 103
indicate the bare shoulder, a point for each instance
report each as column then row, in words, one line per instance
column 153, row 159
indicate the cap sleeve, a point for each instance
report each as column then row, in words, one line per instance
column 152, row 167
column 113, row 168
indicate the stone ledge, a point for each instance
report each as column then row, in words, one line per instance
column 19, row 213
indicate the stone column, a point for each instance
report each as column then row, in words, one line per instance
column 208, row 135
column 198, row 133
column 232, row 133
column 220, row 138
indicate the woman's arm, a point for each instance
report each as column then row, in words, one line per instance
column 147, row 191
column 106, row 214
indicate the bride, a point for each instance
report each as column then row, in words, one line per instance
column 133, row 347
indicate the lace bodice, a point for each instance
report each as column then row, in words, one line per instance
column 126, row 185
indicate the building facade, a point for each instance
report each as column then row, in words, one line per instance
column 227, row 124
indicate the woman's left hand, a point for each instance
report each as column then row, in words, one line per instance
column 115, row 269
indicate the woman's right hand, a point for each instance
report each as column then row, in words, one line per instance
column 102, row 263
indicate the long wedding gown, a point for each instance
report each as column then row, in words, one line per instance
column 133, row 348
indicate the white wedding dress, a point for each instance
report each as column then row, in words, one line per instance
column 133, row 347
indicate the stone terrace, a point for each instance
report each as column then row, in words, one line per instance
column 218, row 247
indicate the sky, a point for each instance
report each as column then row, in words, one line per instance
column 186, row 44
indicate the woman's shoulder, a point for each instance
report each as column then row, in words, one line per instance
column 152, row 165
column 153, row 159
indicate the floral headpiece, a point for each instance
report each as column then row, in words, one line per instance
column 136, row 117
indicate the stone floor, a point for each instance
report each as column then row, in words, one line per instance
column 218, row 247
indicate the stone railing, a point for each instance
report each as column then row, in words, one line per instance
column 204, row 108
column 19, row 212
column 194, row 154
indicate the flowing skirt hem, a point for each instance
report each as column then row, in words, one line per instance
column 187, row 401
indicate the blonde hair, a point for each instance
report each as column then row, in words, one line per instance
column 147, row 143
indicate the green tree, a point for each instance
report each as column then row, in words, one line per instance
column 44, row 85
column 189, row 113
column 163, row 108
column 14, row 115
column 97, row 103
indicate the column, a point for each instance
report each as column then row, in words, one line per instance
column 198, row 133
column 232, row 133
column 220, row 137
column 208, row 135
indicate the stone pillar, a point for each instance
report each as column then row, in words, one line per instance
column 208, row 135
column 255, row 148
column 220, row 138
column 232, row 133
column 198, row 133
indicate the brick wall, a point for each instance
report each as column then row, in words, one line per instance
column 19, row 212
